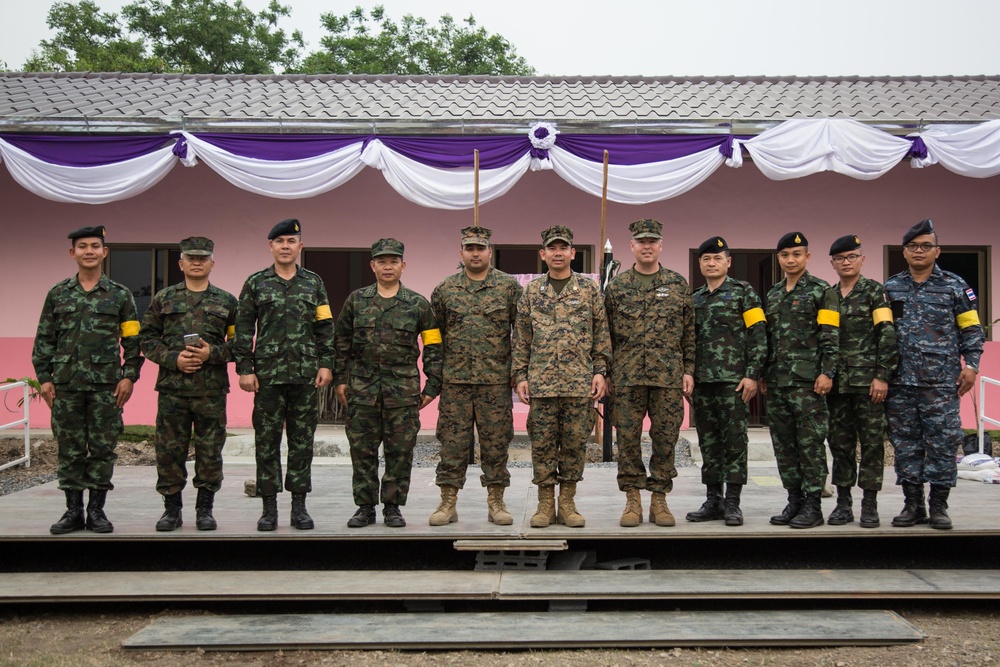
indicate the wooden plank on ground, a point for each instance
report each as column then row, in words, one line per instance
column 523, row 630
column 511, row 545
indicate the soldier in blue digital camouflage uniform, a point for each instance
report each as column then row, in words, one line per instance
column 287, row 308
column 866, row 361
column 192, row 383
column 731, row 347
column 936, row 325
column 803, row 334
column 85, row 379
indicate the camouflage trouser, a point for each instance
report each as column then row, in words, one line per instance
column 490, row 408
column 799, row 420
column 87, row 425
column 666, row 412
column 559, row 428
column 396, row 430
column 175, row 417
column 926, row 431
column 296, row 407
column 721, row 421
column 854, row 417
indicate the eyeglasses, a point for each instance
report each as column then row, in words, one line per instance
column 840, row 259
column 925, row 247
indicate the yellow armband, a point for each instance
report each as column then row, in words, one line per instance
column 830, row 317
column 880, row 315
column 231, row 333
column 753, row 316
column 431, row 336
column 967, row 319
column 131, row 328
column 323, row 313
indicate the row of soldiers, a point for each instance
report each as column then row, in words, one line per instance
column 826, row 356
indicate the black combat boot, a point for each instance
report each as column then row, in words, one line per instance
column 712, row 509
column 268, row 520
column 869, row 509
column 732, row 513
column 914, row 511
column 939, row 507
column 97, row 521
column 791, row 510
column 171, row 519
column 392, row 516
column 365, row 516
column 203, row 510
column 300, row 517
column 72, row 519
column 811, row 514
column 843, row 513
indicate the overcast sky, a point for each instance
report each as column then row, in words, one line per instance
column 671, row 38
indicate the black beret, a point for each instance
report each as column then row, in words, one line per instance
column 845, row 243
column 714, row 245
column 88, row 232
column 285, row 228
column 919, row 229
column 792, row 240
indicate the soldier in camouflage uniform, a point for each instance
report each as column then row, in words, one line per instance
column 192, row 383
column 84, row 378
column 866, row 361
column 936, row 322
column 560, row 359
column 288, row 309
column 377, row 379
column 475, row 311
column 731, row 348
column 803, row 333
column 651, row 319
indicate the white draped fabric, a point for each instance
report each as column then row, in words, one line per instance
column 87, row 185
column 967, row 150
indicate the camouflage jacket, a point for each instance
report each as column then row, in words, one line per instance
column 476, row 321
column 936, row 321
column 175, row 312
column 78, row 336
column 730, row 332
column 802, row 332
column 652, row 329
column 867, row 338
column 561, row 340
column 377, row 348
column 293, row 325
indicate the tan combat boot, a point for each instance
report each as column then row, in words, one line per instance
column 446, row 512
column 567, row 507
column 632, row 516
column 545, row 513
column 496, row 510
column 659, row 513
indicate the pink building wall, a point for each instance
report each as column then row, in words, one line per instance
column 741, row 204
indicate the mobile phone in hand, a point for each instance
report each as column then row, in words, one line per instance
column 193, row 340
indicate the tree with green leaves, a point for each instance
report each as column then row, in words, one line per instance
column 360, row 43
column 192, row 36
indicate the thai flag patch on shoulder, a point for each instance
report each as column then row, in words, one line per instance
column 969, row 293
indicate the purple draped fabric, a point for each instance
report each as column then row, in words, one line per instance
column 279, row 147
column 86, row 151
column 450, row 152
column 631, row 149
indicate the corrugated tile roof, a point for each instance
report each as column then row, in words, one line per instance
column 473, row 105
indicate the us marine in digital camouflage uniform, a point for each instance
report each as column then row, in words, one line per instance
column 192, row 383
column 936, row 322
column 651, row 319
column 377, row 379
column 866, row 361
column 85, row 379
column 475, row 311
column 288, row 309
column 560, row 359
column 803, row 334
column 731, row 337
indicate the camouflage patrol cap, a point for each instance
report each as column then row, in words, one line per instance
column 557, row 233
column 845, row 243
column 88, row 232
column 197, row 245
column 919, row 229
column 792, row 240
column 646, row 229
column 288, row 227
column 713, row 246
column 387, row 247
column 476, row 236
